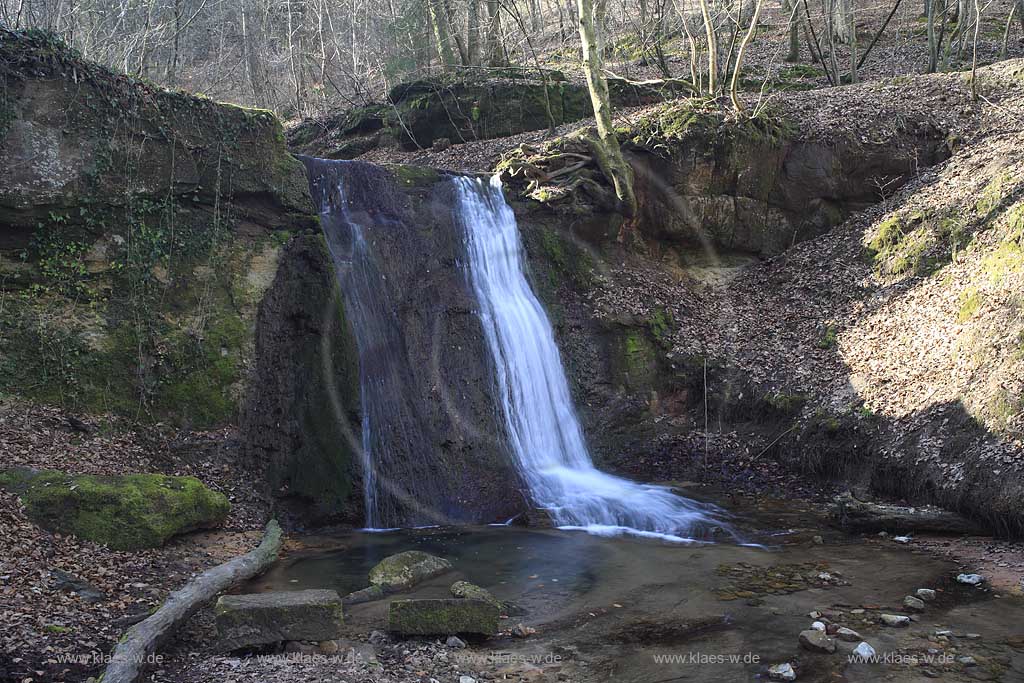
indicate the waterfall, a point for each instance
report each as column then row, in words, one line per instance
column 402, row 479
column 545, row 434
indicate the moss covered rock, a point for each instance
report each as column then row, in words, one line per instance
column 405, row 570
column 442, row 617
column 467, row 590
column 126, row 512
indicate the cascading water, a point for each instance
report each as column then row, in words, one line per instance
column 402, row 480
column 545, row 433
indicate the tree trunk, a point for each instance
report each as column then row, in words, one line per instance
column 473, row 32
column 439, row 22
column 495, row 50
column 791, row 8
column 840, row 20
column 709, row 29
column 141, row 641
column 606, row 147
column 739, row 56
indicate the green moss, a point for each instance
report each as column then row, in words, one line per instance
column 56, row 629
column 993, row 194
column 442, row 617
column 970, row 302
column 828, row 338
column 415, row 176
column 1007, row 258
column 785, row 404
column 127, row 512
column 662, row 325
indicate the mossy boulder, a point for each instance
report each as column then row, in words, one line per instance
column 471, row 591
column 127, row 512
column 405, row 570
column 445, row 616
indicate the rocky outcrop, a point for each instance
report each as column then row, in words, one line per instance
column 128, row 512
column 460, row 109
column 301, row 418
column 140, row 228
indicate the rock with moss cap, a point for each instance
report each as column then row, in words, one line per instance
column 465, row 589
column 127, row 512
column 405, row 570
column 442, row 616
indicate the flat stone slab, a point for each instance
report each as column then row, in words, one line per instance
column 264, row 618
column 405, row 570
column 443, row 616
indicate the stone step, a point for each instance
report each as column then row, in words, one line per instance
column 444, row 616
column 263, row 618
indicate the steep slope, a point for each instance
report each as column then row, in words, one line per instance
column 885, row 353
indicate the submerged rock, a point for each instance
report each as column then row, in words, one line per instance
column 127, row 512
column 368, row 594
column 263, row 618
column 465, row 589
column 817, row 641
column 782, row 672
column 443, row 616
column 926, row 594
column 405, row 570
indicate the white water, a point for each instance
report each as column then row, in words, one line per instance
column 545, row 433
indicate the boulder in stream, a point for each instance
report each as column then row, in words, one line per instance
column 263, row 618
column 405, row 570
column 443, row 616
column 465, row 589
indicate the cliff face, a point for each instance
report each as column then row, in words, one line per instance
column 158, row 253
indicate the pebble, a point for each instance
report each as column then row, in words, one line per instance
column 926, row 594
column 818, row 626
column 848, row 635
column 864, row 651
column 970, row 579
column 895, row 620
column 967, row 661
column 467, row 679
column 817, row 540
column 902, row 539
column 782, row 672
column 817, row 641
column 523, row 631
column 910, row 602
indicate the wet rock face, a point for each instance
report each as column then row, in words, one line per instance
column 436, row 437
column 301, row 419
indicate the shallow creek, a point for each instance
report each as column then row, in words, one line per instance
column 636, row 610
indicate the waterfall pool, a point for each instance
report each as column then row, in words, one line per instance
column 647, row 611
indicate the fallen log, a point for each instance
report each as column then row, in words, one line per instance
column 139, row 645
column 855, row 515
